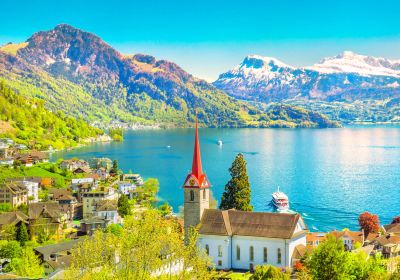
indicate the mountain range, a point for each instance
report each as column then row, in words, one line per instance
column 76, row 72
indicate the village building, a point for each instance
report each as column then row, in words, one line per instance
column 73, row 164
column 32, row 186
column 239, row 239
column 392, row 228
column 67, row 202
column 32, row 157
column 313, row 239
column 90, row 200
column 103, row 163
column 135, row 178
column 351, row 239
column 102, row 173
column 14, row 219
column 126, row 188
column 45, row 218
column 91, row 224
column 14, row 193
column 108, row 210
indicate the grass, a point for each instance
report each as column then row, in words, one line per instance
column 232, row 275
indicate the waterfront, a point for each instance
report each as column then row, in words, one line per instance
column 330, row 175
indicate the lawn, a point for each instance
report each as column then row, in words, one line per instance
column 232, row 275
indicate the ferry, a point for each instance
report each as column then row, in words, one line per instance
column 219, row 142
column 281, row 201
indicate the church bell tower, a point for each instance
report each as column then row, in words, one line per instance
column 196, row 190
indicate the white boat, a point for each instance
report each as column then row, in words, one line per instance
column 220, row 142
column 280, row 200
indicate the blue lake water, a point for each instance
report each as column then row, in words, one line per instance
column 330, row 175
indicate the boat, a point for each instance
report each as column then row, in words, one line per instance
column 219, row 142
column 280, row 200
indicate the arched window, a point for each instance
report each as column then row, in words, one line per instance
column 204, row 194
column 207, row 249
column 279, row 256
column 219, row 250
column 265, row 254
column 251, row 253
column 191, row 195
column 238, row 252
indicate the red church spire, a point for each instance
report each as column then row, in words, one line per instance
column 196, row 178
column 196, row 164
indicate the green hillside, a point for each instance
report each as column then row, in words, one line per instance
column 28, row 122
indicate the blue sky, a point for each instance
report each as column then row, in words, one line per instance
column 208, row 37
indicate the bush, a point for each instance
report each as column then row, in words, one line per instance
column 269, row 272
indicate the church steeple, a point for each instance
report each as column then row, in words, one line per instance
column 196, row 179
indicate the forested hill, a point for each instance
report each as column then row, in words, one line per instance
column 76, row 72
column 26, row 121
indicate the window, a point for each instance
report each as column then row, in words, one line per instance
column 251, row 253
column 204, row 194
column 207, row 249
column 279, row 256
column 265, row 254
column 191, row 195
column 219, row 250
column 220, row 263
column 238, row 252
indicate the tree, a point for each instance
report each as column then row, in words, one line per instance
column 27, row 265
column 396, row 220
column 369, row 223
column 329, row 260
column 5, row 207
column 237, row 190
column 114, row 168
column 10, row 249
column 22, row 234
column 124, row 208
column 269, row 272
column 165, row 209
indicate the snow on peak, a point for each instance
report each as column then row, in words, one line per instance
column 257, row 61
column 350, row 62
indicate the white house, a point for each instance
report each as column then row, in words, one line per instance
column 241, row 240
column 108, row 210
column 126, row 187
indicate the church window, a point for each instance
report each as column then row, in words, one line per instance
column 219, row 250
column 251, row 253
column 207, row 249
column 191, row 195
column 279, row 256
column 238, row 252
column 265, row 254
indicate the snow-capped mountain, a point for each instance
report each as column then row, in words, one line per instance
column 348, row 76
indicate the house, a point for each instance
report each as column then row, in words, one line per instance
column 6, row 161
column 32, row 186
column 97, row 163
column 55, row 251
column 108, row 210
column 45, row 217
column 102, row 173
column 388, row 245
column 350, row 238
column 39, row 157
column 313, row 239
column 67, row 202
column 54, row 269
column 77, row 182
column 392, row 228
column 135, row 178
column 32, row 157
column 73, row 164
column 15, row 218
column 25, row 159
column 14, row 193
column 241, row 240
column 91, row 199
column 126, row 188
column 90, row 224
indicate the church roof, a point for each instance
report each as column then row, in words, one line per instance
column 244, row 223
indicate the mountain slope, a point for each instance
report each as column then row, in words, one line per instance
column 27, row 122
column 346, row 77
column 78, row 73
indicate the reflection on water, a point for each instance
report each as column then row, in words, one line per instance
column 330, row 175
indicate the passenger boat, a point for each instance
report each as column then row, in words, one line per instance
column 220, row 142
column 280, row 200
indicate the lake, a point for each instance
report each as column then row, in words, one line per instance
column 330, row 175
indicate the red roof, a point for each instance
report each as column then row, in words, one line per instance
column 197, row 170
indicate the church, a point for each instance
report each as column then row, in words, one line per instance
column 239, row 239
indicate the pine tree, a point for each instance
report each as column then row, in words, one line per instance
column 237, row 190
column 114, row 168
column 124, row 208
column 22, row 234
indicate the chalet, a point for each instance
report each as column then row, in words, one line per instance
column 102, row 173
column 388, row 245
column 14, row 193
column 82, row 170
column 45, row 217
column 67, row 202
column 313, row 239
column 15, row 218
column 33, row 157
column 90, row 224
column 32, row 186
column 392, row 228
column 39, row 157
column 108, row 210
column 73, row 164
column 350, row 238
column 55, row 251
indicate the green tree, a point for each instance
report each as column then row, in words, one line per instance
column 5, row 207
column 27, row 265
column 10, row 249
column 124, row 208
column 114, row 168
column 165, row 209
column 237, row 190
column 8, row 232
column 269, row 272
column 22, row 234
column 329, row 260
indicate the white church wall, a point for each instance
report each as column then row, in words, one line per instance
column 218, row 248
